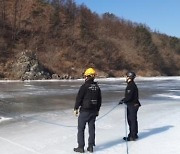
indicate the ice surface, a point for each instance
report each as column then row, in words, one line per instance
column 44, row 124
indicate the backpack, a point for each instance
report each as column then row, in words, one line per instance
column 90, row 100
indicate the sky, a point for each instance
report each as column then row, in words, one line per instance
column 159, row 15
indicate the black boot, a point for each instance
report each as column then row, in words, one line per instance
column 129, row 139
column 79, row 149
column 136, row 137
column 90, row 149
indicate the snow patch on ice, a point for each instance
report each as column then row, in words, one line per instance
column 168, row 95
column 4, row 119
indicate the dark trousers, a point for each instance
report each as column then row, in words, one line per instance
column 86, row 117
column 132, row 120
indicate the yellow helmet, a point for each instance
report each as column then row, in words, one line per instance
column 90, row 72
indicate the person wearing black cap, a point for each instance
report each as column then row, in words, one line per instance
column 131, row 99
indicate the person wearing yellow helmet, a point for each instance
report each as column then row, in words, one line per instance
column 90, row 72
column 87, row 106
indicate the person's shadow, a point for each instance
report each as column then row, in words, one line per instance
column 142, row 135
column 108, row 144
column 153, row 131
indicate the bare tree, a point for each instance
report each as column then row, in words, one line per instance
column 3, row 12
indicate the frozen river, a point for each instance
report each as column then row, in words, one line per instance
column 30, row 110
column 39, row 96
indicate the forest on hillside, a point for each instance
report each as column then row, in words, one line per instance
column 44, row 39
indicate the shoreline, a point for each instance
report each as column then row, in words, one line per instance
column 98, row 79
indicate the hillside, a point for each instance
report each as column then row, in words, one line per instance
column 59, row 39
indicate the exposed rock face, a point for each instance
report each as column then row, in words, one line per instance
column 27, row 67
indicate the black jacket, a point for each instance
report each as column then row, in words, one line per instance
column 131, row 95
column 88, row 97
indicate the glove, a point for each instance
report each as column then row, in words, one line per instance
column 121, row 102
column 76, row 112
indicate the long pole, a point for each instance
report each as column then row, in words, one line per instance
column 125, row 108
